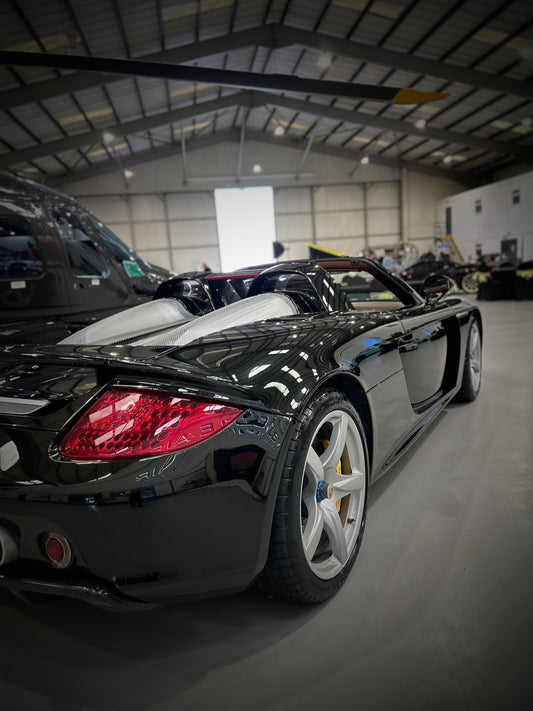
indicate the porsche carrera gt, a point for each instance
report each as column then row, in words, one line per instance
column 224, row 433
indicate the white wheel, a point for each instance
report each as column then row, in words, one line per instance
column 320, row 510
column 333, row 494
column 470, row 284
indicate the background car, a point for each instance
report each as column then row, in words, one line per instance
column 191, row 446
column 462, row 274
column 59, row 263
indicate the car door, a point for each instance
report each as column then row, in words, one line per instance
column 424, row 350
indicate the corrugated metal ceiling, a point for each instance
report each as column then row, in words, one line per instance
column 51, row 121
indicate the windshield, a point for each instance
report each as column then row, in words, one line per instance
column 362, row 289
column 132, row 264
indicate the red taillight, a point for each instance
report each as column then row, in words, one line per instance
column 57, row 549
column 126, row 424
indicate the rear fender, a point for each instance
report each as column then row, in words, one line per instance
column 348, row 384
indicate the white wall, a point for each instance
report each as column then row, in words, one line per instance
column 499, row 217
column 172, row 223
column 216, row 166
column 174, row 230
column 344, row 217
column 422, row 194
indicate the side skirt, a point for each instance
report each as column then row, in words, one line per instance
column 414, row 433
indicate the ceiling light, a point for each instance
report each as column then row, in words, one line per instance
column 365, row 160
column 128, row 173
column 447, row 159
column 108, row 137
column 527, row 121
column 279, row 131
column 421, row 123
column 257, row 168
column 324, row 61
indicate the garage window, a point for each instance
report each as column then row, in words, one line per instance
column 19, row 255
column 84, row 257
column 516, row 196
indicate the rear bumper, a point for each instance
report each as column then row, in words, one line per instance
column 193, row 524
column 90, row 589
column 205, row 542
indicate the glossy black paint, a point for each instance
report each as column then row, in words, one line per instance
column 58, row 300
column 198, row 522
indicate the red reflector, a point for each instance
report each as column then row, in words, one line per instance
column 54, row 550
column 126, row 424
column 57, row 549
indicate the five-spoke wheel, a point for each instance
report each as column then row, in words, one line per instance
column 320, row 510
column 333, row 494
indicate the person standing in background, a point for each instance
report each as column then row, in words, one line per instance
column 388, row 261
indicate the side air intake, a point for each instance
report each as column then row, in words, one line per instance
column 249, row 310
column 131, row 323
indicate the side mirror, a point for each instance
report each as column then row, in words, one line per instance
column 435, row 286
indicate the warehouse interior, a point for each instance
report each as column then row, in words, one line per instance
column 129, row 145
column 436, row 613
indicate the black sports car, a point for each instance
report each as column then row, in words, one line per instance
column 223, row 433
column 464, row 275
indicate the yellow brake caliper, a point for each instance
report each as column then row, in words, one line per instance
column 325, row 444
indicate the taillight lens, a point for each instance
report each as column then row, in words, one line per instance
column 127, row 424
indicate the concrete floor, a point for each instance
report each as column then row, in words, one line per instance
column 437, row 613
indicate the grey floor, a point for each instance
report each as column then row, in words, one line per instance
column 437, row 613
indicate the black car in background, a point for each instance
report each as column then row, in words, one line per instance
column 461, row 274
column 60, row 264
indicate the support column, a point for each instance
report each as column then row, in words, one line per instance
column 163, row 198
column 241, row 148
column 183, row 157
column 364, row 188
column 313, row 215
column 129, row 210
column 404, row 207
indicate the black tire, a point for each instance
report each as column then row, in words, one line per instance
column 323, row 511
column 471, row 382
